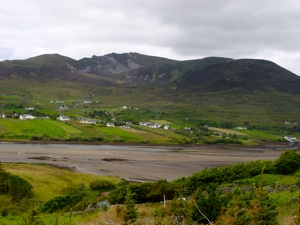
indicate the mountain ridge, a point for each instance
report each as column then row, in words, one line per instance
column 209, row 73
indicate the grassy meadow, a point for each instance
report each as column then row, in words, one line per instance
column 48, row 182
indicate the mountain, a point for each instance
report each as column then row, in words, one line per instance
column 246, row 74
column 118, row 63
column 207, row 74
column 210, row 89
column 49, row 67
column 169, row 71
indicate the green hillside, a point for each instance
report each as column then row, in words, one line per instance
column 214, row 91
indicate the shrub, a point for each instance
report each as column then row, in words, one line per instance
column 3, row 181
column 101, row 185
column 60, row 202
column 226, row 174
column 287, row 163
column 210, row 201
column 19, row 188
column 130, row 213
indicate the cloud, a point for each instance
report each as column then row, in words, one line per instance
column 175, row 29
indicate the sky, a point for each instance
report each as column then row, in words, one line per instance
column 175, row 29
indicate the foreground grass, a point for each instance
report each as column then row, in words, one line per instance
column 48, row 182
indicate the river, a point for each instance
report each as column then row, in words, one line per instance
column 140, row 162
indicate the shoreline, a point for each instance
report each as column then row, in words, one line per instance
column 258, row 145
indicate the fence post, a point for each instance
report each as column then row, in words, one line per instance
column 70, row 213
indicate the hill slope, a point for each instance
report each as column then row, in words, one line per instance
column 247, row 74
column 208, row 89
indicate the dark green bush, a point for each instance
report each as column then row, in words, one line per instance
column 226, row 174
column 101, row 185
column 19, row 188
column 60, row 202
column 4, row 181
column 287, row 163
column 144, row 192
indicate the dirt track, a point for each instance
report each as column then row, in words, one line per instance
column 137, row 162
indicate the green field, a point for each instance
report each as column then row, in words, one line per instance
column 116, row 134
column 10, row 128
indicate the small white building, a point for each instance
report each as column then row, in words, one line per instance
column 63, row 107
column 63, row 118
column 110, row 125
column 155, row 126
column 88, row 121
column 290, row 139
column 30, row 109
column 167, row 127
column 241, row 128
column 26, row 117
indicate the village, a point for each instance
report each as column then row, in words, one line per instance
column 111, row 121
column 64, row 118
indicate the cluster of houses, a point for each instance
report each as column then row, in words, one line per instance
column 154, row 125
column 291, row 139
column 291, row 123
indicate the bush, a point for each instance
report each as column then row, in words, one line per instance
column 3, row 181
column 19, row 188
column 130, row 213
column 60, row 202
column 287, row 163
column 210, row 201
column 101, row 185
column 226, row 174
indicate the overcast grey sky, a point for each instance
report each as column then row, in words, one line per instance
column 176, row 29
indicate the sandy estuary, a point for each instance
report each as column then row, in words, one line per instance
column 138, row 162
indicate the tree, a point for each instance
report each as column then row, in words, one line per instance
column 130, row 213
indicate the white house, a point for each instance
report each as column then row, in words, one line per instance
column 155, row 125
column 63, row 107
column 88, row 121
column 63, row 118
column 26, row 117
column 145, row 123
column 110, row 125
column 290, row 139
column 167, row 127
column 241, row 128
column 30, row 109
